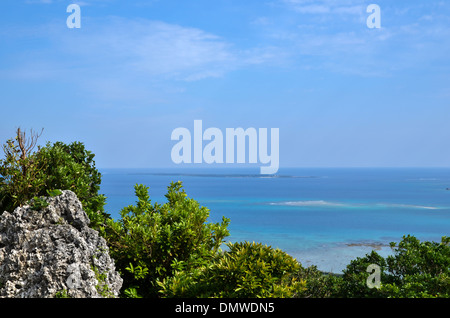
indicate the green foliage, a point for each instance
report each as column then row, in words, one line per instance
column 101, row 287
column 72, row 167
column 152, row 242
column 20, row 176
column 62, row 294
column 139, row 272
column 53, row 193
column 131, row 292
column 249, row 270
column 416, row 269
column 419, row 269
column 25, row 175
column 317, row 284
column 354, row 280
column 38, row 203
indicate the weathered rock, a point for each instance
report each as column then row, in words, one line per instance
column 53, row 251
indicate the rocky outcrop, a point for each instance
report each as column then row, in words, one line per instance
column 52, row 252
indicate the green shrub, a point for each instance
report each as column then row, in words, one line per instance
column 25, row 175
column 38, row 203
column 21, row 178
column 317, row 283
column 249, row 270
column 152, row 242
column 419, row 269
column 354, row 279
column 416, row 269
column 72, row 167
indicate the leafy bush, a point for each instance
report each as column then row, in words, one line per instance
column 249, row 270
column 354, row 280
column 152, row 242
column 21, row 178
column 72, row 167
column 317, row 283
column 417, row 269
column 169, row 250
column 25, row 175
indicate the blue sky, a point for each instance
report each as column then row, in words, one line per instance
column 342, row 95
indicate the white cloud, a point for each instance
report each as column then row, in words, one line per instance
column 353, row 7
column 332, row 35
column 151, row 48
column 136, row 48
column 39, row 1
column 137, row 51
column 117, row 59
column 262, row 21
column 80, row 3
column 313, row 9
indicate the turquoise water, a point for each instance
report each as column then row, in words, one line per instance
column 323, row 217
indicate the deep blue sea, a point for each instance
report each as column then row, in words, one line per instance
column 322, row 216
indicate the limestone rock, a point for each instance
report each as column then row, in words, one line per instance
column 53, row 251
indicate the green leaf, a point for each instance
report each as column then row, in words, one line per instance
column 54, row 193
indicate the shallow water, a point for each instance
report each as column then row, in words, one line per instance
column 323, row 217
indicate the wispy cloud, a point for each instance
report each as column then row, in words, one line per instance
column 39, row 1
column 326, row 6
column 332, row 35
column 143, row 47
column 118, row 59
column 81, row 3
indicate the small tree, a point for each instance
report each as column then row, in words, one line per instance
column 250, row 270
column 419, row 269
column 152, row 242
column 354, row 280
column 72, row 167
column 416, row 269
column 20, row 176
column 25, row 174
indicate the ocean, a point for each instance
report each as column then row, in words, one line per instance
column 321, row 216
